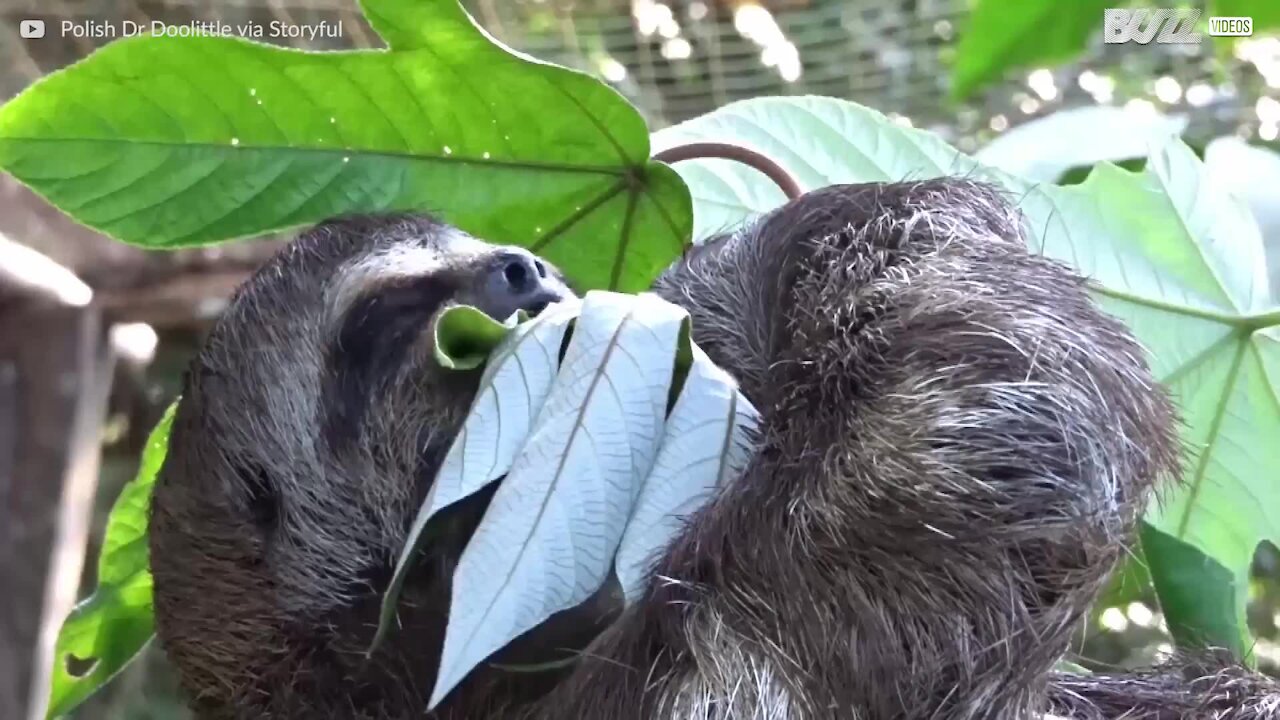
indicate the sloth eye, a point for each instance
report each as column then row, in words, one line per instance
column 374, row 339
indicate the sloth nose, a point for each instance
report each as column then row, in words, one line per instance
column 520, row 281
column 523, row 273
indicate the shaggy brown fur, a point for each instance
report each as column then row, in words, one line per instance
column 956, row 446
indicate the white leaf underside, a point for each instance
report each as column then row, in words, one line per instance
column 553, row 531
column 512, row 389
column 703, row 449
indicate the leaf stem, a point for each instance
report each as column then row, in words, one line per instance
column 771, row 169
column 1247, row 322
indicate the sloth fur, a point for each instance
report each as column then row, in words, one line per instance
column 956, row 445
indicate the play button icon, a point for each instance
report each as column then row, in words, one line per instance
column 31, row 29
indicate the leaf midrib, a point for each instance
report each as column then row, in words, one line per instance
column 1248, row 323
column 417, row 530
column 608, row 170
column 559, row 472
column 728, row 439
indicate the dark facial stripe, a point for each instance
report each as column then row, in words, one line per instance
column 375, row 337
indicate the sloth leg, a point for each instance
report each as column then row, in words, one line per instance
column 955, row 448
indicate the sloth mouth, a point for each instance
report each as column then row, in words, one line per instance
column 533, row 305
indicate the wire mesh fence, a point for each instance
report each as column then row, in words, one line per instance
column 679, row 59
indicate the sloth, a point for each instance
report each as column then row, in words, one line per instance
column 955, row 447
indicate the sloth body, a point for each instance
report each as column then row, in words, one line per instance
column 955, row 448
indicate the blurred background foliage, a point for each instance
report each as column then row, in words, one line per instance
column 972, row 72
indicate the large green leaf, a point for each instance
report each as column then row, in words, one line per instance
column 1177, row 259
column 1048, row 148
column 111, row 626
column 1182, row 263
column 164, row 142
column 1202, row 601
column 1001, row 35
column 818, row 140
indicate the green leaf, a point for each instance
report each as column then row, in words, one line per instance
column 1169, row 253
column 110, row 627
column 1199, row 597
column 1131, row 582
column 819, row 141
column 1182, row 263
column 166, row 142
column 1066, row 666
column 1047, row 148
column 1265, row 13
column 464, row 337
column 1002, row 35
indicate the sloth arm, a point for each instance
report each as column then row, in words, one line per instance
column 954, row 447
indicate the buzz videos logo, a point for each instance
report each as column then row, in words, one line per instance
column 31, row 29
column 1176, row 27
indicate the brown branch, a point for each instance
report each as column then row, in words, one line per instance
column 725, row 151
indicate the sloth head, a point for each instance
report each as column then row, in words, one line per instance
column 309, row 430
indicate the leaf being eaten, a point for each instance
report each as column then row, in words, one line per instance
column 511, row 392
column 547, row 541
column 705, row 445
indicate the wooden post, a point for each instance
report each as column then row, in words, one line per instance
column 55, row 376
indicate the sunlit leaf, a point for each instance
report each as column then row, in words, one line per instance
column 1000, row 36
column 1253, row 174
column 465, row 336
column 168, row 141
column 819, row 141
column 1044, row 149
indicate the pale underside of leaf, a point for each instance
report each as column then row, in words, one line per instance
column 1044, row 149
column 1206, row 354
column 706, row 444
column 548, row 539
column 819, row 141
column 1224, row 232
column 1231, row 498
column 513, row 388
column 511, row 392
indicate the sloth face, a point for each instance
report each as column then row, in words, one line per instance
column 316, row 414
column 380, row 308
